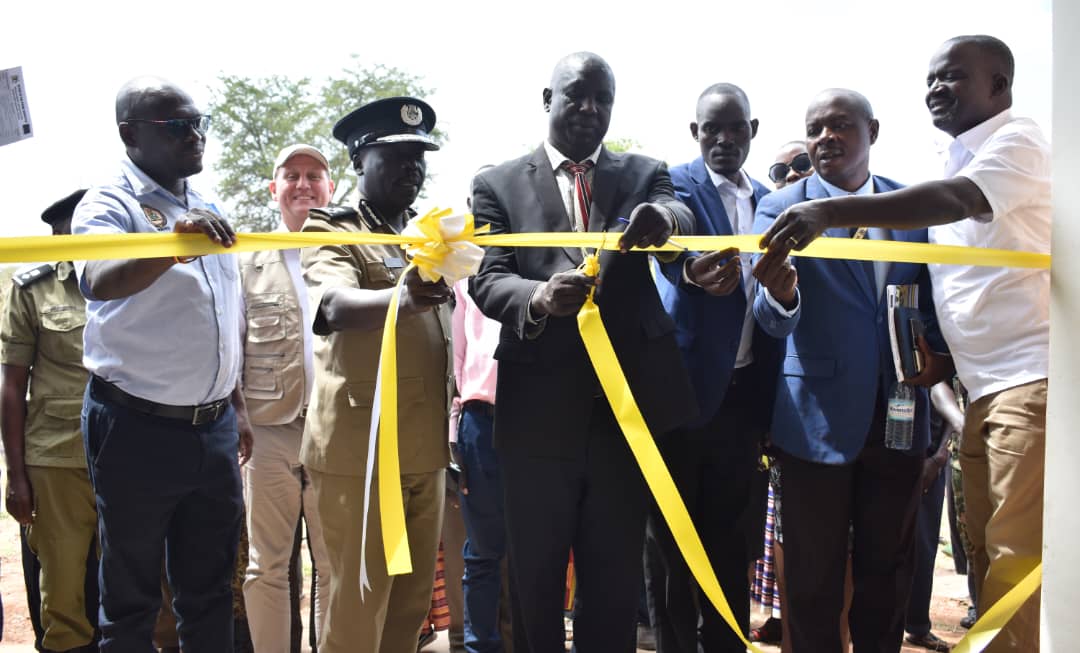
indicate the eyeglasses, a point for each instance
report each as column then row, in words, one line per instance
column 179, row 127
column 800, row 164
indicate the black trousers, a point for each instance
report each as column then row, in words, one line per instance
column 595, row 504
column 713, row 468
column 877, row 497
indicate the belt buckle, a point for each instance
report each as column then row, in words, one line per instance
column 207, row 413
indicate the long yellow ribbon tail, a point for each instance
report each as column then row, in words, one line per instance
column 391, row 506
column 991, row 623
column 656, row 473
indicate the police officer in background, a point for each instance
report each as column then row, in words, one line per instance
column 49, row 491
column 349, row 287
column 278, row 376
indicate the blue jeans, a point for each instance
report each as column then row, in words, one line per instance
column 163, row 486
column 485, row 528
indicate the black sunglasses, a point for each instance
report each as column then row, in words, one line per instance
column 800, row 164
column 179, row 127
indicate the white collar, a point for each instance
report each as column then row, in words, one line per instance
column 143, row 184
column 556, row 158
column 835, row 191
column 725, row 186
column 973, row 139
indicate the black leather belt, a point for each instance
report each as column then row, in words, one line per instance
column 482, row 407
column 195, row 415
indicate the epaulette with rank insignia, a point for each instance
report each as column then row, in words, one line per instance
column 335, row 212
column 29, row 275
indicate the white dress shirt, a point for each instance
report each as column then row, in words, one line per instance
column 738, row 201
column 565, row 181
column 997, row 320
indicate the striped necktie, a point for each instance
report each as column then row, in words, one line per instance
column 582, row 192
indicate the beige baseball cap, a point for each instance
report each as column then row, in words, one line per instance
column 299, row 148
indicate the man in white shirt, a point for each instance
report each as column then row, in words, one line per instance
column 996, row 194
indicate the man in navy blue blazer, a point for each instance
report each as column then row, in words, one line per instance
column 733, row 367
column 831, row 404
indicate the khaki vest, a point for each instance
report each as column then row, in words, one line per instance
column 273, row 381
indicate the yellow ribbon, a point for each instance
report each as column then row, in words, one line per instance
column 391, row 506
column 433, row 256
column 431, row 252
column 991, row 623
column 656, row 473
column 125, row 246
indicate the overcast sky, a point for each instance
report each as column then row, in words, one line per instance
column 488, row 63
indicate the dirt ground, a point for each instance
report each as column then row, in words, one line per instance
column 949, row 604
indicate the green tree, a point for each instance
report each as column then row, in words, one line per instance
column 255, row 117
column 621, row 144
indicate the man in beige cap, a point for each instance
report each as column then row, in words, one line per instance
column 277, row 381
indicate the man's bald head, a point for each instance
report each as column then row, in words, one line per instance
column 162, row 129
column 723, row 89
column 854, row 100
column 573, row 63
column 143, row 95
column 840, row 128
column 579, row 101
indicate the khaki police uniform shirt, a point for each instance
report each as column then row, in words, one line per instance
column 42, row 329
column 346, row 362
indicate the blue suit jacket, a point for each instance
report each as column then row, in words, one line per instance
column 708, row 329
column 838, row 353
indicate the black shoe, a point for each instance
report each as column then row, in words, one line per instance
column 646, row 638
column 772, row 631
column 970, row 619
column 929, row 641
column 426, row 637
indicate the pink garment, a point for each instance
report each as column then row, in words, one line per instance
column 475, row 338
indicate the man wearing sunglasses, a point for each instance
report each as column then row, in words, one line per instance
column 792, row 164
column 163, row 417
column 733, row 367
column 996, row 193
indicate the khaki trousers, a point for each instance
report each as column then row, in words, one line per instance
column 65, row 524
column 1001, row 454
column 389, row 617
column 276, row 488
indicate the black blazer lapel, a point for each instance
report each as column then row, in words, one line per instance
column 553, row 215
column 602, row 213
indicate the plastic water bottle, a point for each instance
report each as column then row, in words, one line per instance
column 900, row 421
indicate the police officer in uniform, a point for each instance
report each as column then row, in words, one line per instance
column 49, row 491
column 349, row 287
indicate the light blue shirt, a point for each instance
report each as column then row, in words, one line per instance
column 881, row 268
column 176, row 342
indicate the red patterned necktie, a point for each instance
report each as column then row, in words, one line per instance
column 582, row 192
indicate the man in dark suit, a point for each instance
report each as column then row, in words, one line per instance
column 830, row 412
column 570, row 480
column 733, row 366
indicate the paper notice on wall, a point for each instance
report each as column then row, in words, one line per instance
column 15, row 122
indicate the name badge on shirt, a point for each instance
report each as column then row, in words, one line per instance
column 393, row 262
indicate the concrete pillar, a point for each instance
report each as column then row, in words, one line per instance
column 1061, row 544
